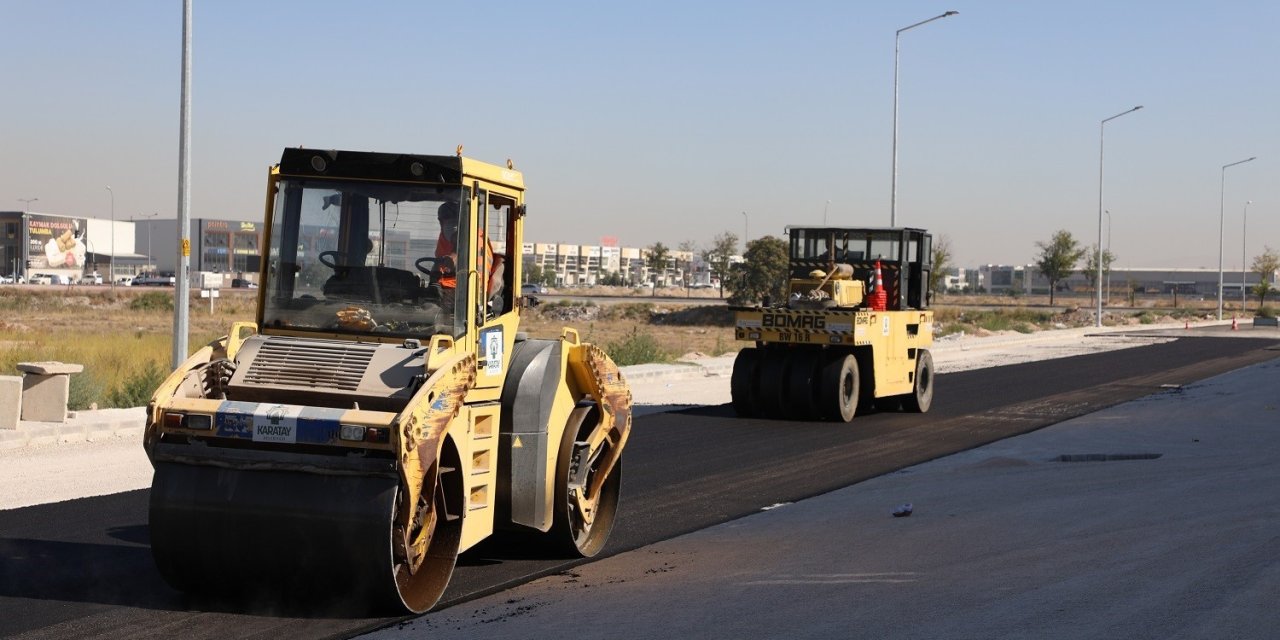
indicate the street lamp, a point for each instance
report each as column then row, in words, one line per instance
column 1102, row 129
column 26, row 204
column 148, row 218
column 1222, row 194
column 113, row 236
column 1105, row 253
column 824, row 212
column 746, row 235
column 893, row 198
column 1244, row 242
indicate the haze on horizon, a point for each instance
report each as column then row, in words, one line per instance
column 665, row 121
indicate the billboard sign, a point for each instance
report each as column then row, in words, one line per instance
column 55, row 242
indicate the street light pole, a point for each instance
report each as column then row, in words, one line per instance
column 148, row 217
column 893, row 197
column 1105, row 255
column 824, row 212
column 26, row 205
column 1222, row 195
column 113, row 236
column 746, row 234
column 1102, row 130
column 1244, row 243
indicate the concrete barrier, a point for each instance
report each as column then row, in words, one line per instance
column 46, row 387
column 10, row 402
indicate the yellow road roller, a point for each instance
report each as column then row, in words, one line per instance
column 383, row 412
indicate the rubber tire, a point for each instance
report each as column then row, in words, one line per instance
column 839, row 388
column 921, row 397
column 771, row 385
column 742, row 383
column 802, row 387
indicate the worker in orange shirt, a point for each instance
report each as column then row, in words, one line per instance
column 447, row 257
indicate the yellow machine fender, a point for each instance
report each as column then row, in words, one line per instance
column 421, row 430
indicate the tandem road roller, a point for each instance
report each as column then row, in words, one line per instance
column 383, row 413
column 854, row 331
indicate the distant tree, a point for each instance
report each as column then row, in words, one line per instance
column 718, row 254
column 941, row 259
column 658, row 259
column 1090, row 270
column 685, row 265
column 763, row 272
column 533, row 274
column 1265, row 265
column 1058, row 258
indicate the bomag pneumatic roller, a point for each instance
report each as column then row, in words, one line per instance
column 854, row 331
column 382, row 414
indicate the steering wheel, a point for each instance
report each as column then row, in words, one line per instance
column 418, row 264
column 331, row 258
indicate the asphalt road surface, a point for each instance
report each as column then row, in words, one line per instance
column 82, row 568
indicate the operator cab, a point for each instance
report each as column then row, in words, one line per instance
column 905, row 256
column 357, row 248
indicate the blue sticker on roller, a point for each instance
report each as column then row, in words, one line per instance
column 270, row 422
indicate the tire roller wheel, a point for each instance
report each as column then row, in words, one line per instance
column 771, row 384
column 291, row 535
column 921, row 397
column 740, row 384
column 581, row 527
column 839, row 387
column 802, row 392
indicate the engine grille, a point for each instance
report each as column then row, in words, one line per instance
column 310, row 363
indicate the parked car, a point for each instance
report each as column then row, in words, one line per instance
column 124, row 281
column 49, row 278
column 91, row 278
column 241, row 283
column 532, row 287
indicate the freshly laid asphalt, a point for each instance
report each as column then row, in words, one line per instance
column 1155, row 518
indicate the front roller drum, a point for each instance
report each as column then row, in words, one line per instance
column 291, row 536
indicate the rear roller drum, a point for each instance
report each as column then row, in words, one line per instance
column 583, row 518
column 839, row 388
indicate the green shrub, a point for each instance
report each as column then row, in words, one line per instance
column 636, row 348
column 152, row 301
column 83, row 390
column 1266, row 311
column 137, row 388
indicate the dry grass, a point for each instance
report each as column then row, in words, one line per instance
column 121, row 338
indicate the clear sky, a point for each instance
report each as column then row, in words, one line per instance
column 666, row 121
